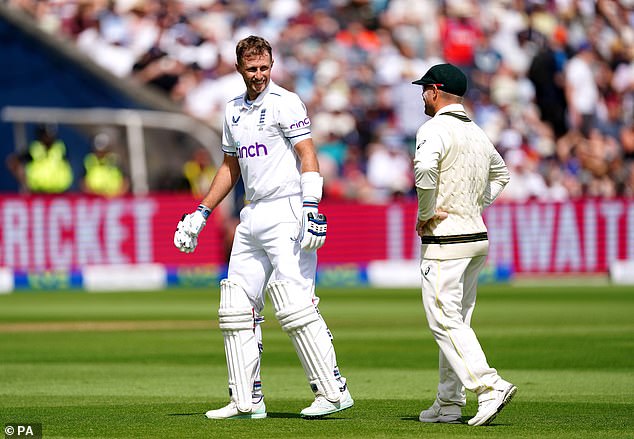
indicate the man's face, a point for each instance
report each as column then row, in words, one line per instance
column 256, row 73
column 430, row 95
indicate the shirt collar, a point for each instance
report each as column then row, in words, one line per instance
column 450, row 108
column 258, row 101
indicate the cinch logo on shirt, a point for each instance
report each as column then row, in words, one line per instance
column 252, row 150
column 301, row 123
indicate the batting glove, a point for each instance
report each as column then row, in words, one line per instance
column 188, row 228
column 312, row 232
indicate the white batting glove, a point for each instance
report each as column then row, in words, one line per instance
column 312, row 231
column 188, row 228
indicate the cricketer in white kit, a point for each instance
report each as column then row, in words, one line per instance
column 458, row 173
column 267, row 140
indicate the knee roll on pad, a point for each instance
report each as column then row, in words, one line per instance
column 310, row 337
column 236, row 320
column 297, row 317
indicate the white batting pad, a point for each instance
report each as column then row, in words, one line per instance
column 236, row 320
column 310, row 336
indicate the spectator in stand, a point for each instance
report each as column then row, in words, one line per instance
column 103, row 174
column 526, row 183
column 519, row 54
column 582, row 93
column 459, row 34
column 546, row 74
column 43, row 168
column 389, row 168
column 199, row 171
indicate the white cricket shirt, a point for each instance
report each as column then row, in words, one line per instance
column 263, row 135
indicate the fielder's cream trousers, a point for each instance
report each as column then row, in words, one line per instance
column 449, row 296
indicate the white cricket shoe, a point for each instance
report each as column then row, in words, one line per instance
column 447, row 414
column 491, row 403
column 230, row 411
column 322, row 407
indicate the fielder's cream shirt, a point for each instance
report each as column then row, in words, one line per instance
column 459, row 171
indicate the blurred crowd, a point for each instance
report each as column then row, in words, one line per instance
column 551, row 81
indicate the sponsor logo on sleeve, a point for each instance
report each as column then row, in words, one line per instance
column 300, row 124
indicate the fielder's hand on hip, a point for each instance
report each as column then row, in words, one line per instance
column 439, row 215
column 312, row 228
column 188, row 228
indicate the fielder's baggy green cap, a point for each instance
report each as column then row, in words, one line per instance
column 445, row 77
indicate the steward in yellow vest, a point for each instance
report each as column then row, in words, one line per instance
column 103, row 174
column 47, row 169
column 199, row 171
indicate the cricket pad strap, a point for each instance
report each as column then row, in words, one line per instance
column 236, row 320
column 309, row 334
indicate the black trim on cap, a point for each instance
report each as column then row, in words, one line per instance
column 454, row 239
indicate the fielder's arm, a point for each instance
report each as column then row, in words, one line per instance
column 499, row 176
column 429, row 151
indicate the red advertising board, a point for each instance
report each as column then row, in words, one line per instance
column 73, row 231
column 69, row 232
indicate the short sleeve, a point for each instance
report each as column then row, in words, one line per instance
column 293, row 119
column 228, row 144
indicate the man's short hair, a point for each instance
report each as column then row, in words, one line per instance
column 252, row 46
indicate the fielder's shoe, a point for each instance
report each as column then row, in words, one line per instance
column 322, row 407
column 447, row 414
column 491, row 403
column 230, row 411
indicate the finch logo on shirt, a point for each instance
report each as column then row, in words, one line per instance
column 421, row 143
column 252, row 150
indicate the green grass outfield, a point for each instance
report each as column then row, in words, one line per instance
column 148, row 365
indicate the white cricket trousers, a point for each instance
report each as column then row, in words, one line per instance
column 265, row 248
column 449, row 296
column 264, row 245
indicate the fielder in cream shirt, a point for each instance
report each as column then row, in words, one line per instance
column 458, row 173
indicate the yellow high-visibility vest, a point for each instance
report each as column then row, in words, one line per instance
column 199, row 178
column 103, row 176
column 48, row 171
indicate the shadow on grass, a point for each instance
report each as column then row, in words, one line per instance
column 187, row 414
column 463, row 422
column 269, row 415
column 283, row 415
